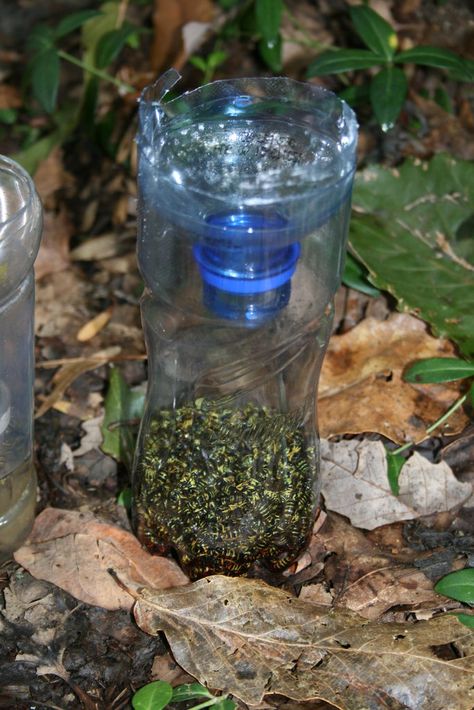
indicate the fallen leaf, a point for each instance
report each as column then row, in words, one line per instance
column 365, row 578
column 355, row 484
column 169, row 18
column 97, row 248
column 66, row 375
column 361, row 387
column 95, row 325
column 10, row 97
column 75, row 550
column 53, row 254
column 249, row 639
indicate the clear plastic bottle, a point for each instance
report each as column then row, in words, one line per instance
column 244, row 201
column 20, row 233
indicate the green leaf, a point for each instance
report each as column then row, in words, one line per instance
column 190, row 691
column 110, row 45
column 40, row 39
column 466, row 619
column 458, row 585
column 228, row 4
column 436, row 57
column 225, row 704
column 8, row 116
column 271, row 53
column 470, row 394
column 153, row 696
column 355, row 95
column 404, row 230
column 73, row 22
column 341, row 61
column 198, row 62
column 377, row 34
column 439, row 369
column 394, row 466
column 388, row 90
column 96, row 27
column 45, row 78
column 124, row 498
column 268, row 14
column 216, row 58
column 34, row 154
column 355, row 276
column 123, row 408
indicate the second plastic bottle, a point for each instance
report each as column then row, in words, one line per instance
column 244, row 199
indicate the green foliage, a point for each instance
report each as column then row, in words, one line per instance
column 388, row 87
column 466, row 619
column 388, row 90
column 355, row 276
column 374, row 31
column 102, row 41
column 439, row 369
column 123, row 408
column 153, row 696
column 458, row 585
column 396, row 233
column 394, row 467
column 159, row 694
column 208, row 65
column 268, row 14
column 124, row 498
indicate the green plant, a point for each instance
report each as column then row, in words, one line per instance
column 458, row 585
column 208, row 65
column 103, row 34
column 429, row 371
column 388, row 86
column 159, row 694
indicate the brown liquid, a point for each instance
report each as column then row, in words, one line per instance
column 17, row 507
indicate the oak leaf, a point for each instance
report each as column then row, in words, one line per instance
column 355, row 484
column 75, row 550
column 364, row 577
column 249, row 639
column 361, row 387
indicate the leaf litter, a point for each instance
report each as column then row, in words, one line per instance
column 250, row 639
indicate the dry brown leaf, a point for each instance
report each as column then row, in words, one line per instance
column 51, row 175
column 365, row 578
column 55, row 315
column 249, row 639
column 95, row 325
column 97, row 248
column 75, row 550
column 10, row 97
column 169, row 18
column 361, row 387
column 53, row 255
column 66, row 375
column 355, row 484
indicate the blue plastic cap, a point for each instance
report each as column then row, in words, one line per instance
column 244, row 275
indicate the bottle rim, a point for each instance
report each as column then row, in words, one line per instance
column 25, row 189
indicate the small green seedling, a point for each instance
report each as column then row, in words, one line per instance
column 428, row 371
column 388, row 86
column 159, row 694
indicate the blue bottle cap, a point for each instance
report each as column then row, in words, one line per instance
column 244, row 276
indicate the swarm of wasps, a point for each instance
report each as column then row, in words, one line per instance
column 224, row 487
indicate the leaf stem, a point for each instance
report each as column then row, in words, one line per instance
column 206, row 704
column 459, row 402
column 97, row 72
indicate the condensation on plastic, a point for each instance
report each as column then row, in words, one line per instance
column 248, row 141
